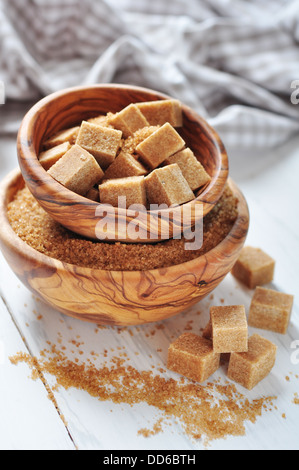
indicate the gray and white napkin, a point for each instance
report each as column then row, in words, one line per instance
column 234, row 61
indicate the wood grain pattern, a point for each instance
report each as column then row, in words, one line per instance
column 68, row 108
column 118, row 298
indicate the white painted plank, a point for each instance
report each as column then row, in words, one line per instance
column 29, row 421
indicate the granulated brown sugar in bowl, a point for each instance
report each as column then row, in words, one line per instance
column 36, row 228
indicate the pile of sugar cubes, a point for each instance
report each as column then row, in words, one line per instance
column 136, row 154
column 250, row 359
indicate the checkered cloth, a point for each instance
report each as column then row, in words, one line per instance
column 231, row 60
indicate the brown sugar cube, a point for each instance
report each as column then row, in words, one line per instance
column 129, row 120
column 254, row 267
column 102, row 142
column 249, row 368
column 93, row 194
column 270, row 310
column 193, row 357
column 77, row 170
column 158, row 113
column 168, row 186
column 68, row 135
column 160, row 145
column 101, row 120
column 125, row 165
column 193, row 171
column 229, row 328
column 49, row 157
column 208, row 334
column 132, row 188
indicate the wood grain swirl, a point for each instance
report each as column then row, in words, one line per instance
column 68, row 108
column 112, row 297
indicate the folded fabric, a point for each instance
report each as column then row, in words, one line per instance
column 233, row 61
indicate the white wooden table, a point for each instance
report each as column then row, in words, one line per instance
column 29, row 420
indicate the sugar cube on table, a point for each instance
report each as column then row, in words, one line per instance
column 254, row 267
column 270, row 310
column 229, row 328
column 193, row 357
column 249, row 368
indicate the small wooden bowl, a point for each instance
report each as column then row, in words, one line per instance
column 69, row 108
column 112, row 297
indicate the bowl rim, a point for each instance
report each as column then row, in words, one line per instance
column 34, row 173
column 14, row 243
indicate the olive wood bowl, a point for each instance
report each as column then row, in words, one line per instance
column 112, row 297
column 68, row 108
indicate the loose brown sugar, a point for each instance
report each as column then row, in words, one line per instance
column 36, row 228
column 157, row 428
column 129, row 145
column 36, row 373
column 214, row 411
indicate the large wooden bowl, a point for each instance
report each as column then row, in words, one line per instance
column 118, row 298
column 68, row 108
